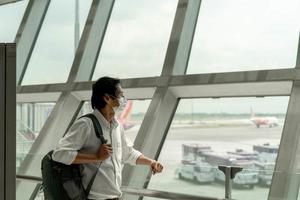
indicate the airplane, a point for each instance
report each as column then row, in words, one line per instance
column 123, row 118
column 268, row 121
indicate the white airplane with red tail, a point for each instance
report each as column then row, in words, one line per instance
column 264, row 121
column 124, row 117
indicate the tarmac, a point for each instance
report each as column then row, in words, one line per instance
column 221, row 139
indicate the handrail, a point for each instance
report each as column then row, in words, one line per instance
column 138, row 191
column 163, row 194
column 35, row 179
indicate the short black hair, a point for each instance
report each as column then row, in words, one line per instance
column 104, row 85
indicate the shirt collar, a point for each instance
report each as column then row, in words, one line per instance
column 103, row 121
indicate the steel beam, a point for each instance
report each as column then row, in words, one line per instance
column 28, row 32
column 286, row 177
column 163, row 194
column 181, row 38
column 282, row 88
column 2, row 2
column 7, row 120
column 153, row 132
column 66, row 108
column 261, row 76
column 298, row 54
column 151, row 135
column 285, row 183
column 2, row 120
column 91, row 41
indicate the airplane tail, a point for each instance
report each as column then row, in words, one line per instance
column 126, row 113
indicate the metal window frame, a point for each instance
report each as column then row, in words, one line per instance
column 165, row 90
column 7, row 120
column 286, row 177
column 28, row 32
column 3, row 2
column 2, row 120
column 164, row 103
column 58, row 122
column 91, row 41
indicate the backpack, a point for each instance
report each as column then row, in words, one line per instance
column 64, row 182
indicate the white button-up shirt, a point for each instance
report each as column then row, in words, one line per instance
column 82, row 138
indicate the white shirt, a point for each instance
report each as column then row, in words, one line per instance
column 81, row 137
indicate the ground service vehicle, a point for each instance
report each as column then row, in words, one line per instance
column 199, row 172
column 193, row 167
column 246, row 178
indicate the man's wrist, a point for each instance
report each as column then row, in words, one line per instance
column 97, row 158
column 151, row 162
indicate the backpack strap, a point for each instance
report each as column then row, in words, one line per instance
column 97, row 127
column 99, row 134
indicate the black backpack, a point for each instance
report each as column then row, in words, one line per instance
column 64, row 182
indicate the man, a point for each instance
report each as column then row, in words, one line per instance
column 81, row 146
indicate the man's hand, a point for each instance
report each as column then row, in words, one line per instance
column 104, row 151
column 156, row 167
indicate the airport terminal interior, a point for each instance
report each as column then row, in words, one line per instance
column 209, row 83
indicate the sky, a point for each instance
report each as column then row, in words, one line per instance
column 240, row 35
column 231, row 35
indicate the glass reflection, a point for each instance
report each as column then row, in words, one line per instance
column 206, row 133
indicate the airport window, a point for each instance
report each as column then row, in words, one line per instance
column 54, row 50
column 244, row 36
column 10, row 19
column 39, row 195
column 131, row 118
column 209, row 132
column 30, row 119
column 141, row 37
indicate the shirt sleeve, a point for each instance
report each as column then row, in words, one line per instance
column 129, row 154
column 69, row 145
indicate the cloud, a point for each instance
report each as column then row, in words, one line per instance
column 10, row 19
column 232, row 35
column 136, row 39
column 245, row 35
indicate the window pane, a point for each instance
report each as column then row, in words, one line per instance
column 206, row 133
column 131, row 118
column 245, row 35
column 10, row 20
column 55, row 49
column 136, row 39
column 26, row 189
column 30, row 119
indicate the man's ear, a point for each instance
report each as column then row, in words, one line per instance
column 106, row 98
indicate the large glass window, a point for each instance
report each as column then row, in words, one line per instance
column 136, row 39
column 10, row 20
column 54, row 52
column 206, row 133
column 245, row 35
column 29, row 185
column 131, row 118
column 30, row 119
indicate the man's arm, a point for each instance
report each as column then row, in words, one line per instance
column 86, row 158
column 143, row 160
column 67, row 149
column 155, row 166
column 132, row 156
column 103, row 153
